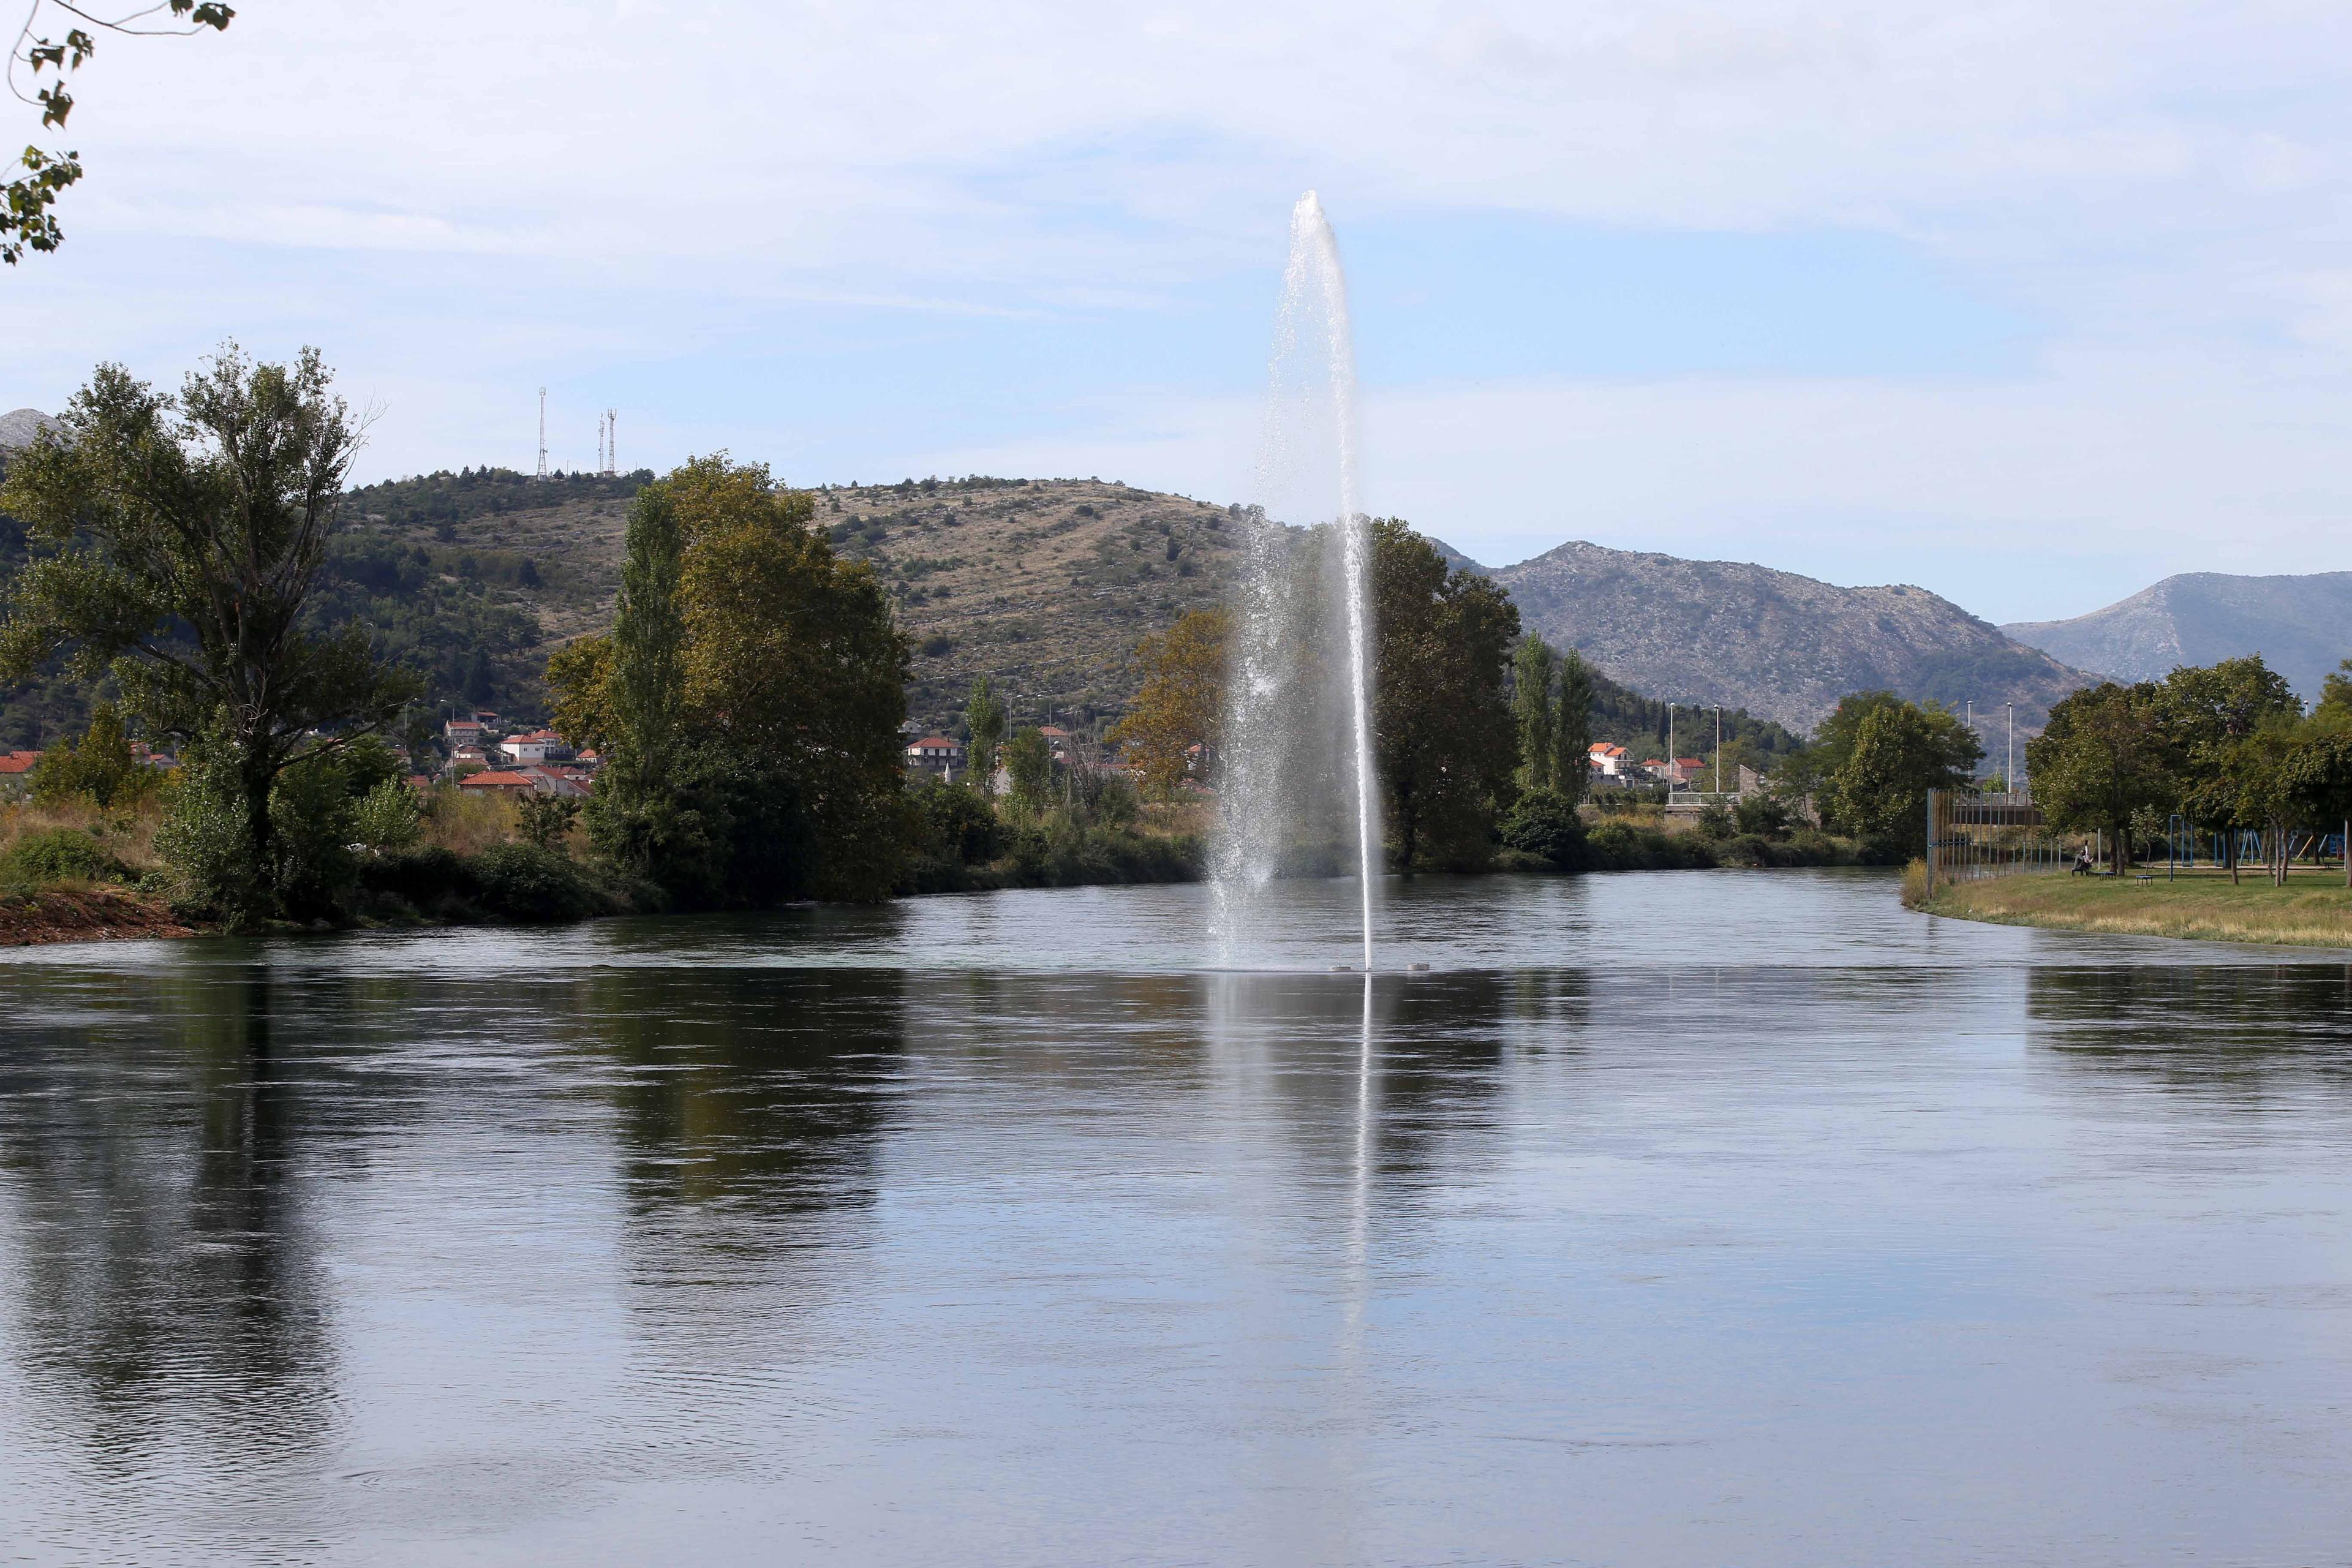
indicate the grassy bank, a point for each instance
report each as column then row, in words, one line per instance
column 2314, row 909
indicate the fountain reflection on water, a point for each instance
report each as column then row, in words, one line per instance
column 1296, row 786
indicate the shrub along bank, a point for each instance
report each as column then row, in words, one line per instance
column 1546, row 832
column 1099, row 834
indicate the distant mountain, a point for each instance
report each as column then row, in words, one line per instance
column 1044, row 585
column 18, row 430
column 1784, row 646
column 2301, row 625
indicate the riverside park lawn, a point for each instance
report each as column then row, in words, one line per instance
column 2314, row 909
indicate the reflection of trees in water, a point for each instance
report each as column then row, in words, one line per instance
column 2237, row 1038
column 169, row 1289
column 757, row 1092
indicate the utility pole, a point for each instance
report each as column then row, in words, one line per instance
column 542, row 431
column 1670, row 753
column 2008, row 777
column 1718, row 748
column 1973, row 736
column 612, row 442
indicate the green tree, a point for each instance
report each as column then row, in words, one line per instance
column 26, row 220
column 1571, row 730
column 2321, row 776
column 2336, row 693
column 1879, row 755
column 636, row 815
column 547, row 819
column 188, row 534
column 1029, row 766
column 1531, row 705
column 2206, row 711
column 753, row 692
column 1446, row 747
column 2254, row 780
column 2107, row 751
column 388, row 816
column 984, row 729
column 1543, row 823
column 100, row 769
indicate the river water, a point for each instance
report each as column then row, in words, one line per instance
column 1671, row 1218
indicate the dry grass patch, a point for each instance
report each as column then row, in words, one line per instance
column 469, row 824
column 2314, row 909
column 127, row 833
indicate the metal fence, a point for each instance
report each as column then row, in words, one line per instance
column 1971, row 837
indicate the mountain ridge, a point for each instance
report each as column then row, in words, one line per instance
column 1784, row 646
column 2297, row 622
column 1045, row 585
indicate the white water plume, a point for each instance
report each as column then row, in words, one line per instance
column 1296, row 785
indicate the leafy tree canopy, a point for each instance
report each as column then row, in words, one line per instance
column 181, row 537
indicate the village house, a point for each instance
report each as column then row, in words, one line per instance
column 460, row 732
column 498, row 782
column 467, row 759
column 1058, row 739
column 538, row 746
column 561, row 782
column 16, row 773
column 935, row 754
column 1608, row 759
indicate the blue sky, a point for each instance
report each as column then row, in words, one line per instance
column 2029, row 307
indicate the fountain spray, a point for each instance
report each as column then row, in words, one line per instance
column 1299, row 719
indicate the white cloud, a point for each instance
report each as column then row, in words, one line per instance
column 2160, row 186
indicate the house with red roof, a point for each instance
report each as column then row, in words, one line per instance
column 498, row 781
column 16, row 772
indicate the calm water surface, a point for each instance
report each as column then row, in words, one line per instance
column 1676, row 1218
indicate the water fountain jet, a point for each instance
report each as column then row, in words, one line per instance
column 1302, row 663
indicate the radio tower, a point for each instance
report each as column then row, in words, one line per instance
column 542, row 431
column 611, row 441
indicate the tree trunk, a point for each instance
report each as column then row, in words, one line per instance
column 2230, row 854
column 256, row 899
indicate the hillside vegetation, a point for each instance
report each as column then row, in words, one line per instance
column 1045, row 585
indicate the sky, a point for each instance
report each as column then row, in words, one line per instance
column 2030, row 305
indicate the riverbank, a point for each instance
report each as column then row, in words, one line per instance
column 85, row 914
column 2312, row 910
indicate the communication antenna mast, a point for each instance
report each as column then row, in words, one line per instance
column 611, row 441
column 542, row 431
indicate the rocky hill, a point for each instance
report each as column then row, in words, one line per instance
column 1045, row 585
column 2301, row 625
column 18, row 428
column 1784, row 646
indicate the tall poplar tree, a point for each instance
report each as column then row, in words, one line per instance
column 1571, row 729
column 1531, row 707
